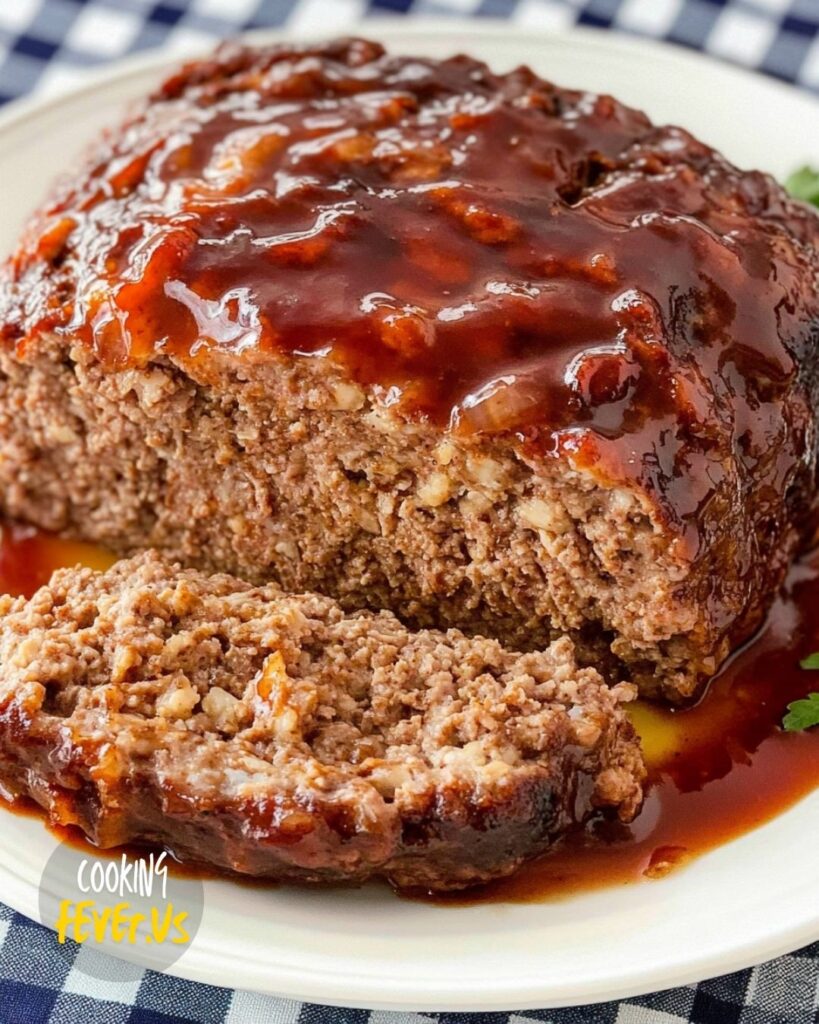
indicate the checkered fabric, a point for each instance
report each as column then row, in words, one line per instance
column 41, row 981
column 44, row 45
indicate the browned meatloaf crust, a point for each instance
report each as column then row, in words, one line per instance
column 278, row 736
column 466, row 346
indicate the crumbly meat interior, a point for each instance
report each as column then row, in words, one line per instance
column 278, row 470
column 276, row 734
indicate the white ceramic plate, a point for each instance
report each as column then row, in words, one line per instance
column 747, row 901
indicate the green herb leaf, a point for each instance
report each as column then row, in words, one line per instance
column 812, row 661
column 802, row 714
column 804, row 184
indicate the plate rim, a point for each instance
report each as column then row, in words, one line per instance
column 338, row 988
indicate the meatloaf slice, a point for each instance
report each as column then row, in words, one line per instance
column 275, row 735
column 470, row 347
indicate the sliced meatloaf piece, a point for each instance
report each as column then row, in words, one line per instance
column 482, row 351
column 277, row 736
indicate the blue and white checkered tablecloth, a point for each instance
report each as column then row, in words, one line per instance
column 45, row 44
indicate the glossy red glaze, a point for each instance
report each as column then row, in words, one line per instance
column 486, row 251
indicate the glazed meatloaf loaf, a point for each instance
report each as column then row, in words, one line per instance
column 278, row 736
column 466, row 346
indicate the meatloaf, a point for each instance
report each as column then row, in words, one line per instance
column 276, row 735
column 470, row 347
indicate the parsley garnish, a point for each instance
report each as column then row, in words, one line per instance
column 804, row 714
column 804, row 184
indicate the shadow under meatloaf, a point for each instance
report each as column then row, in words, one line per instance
column 274, row 735
column 469, row 347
